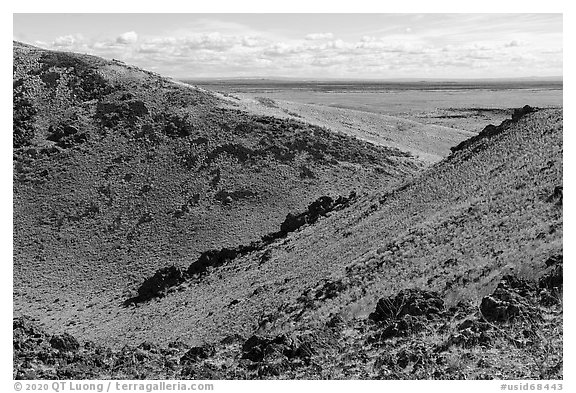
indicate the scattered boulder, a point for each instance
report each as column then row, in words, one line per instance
column 281, row 348
column 517, row 285
column 64, row 342
column 26, row 334
column 402, row 327
column 553, row 260
column 232, row 339
column 507, row 300
column 495, row 309
column 61, row 131
column 553, row 279
column 470, row 333
column 227, row 197
column 253, row 348
column 195, row 354
column 557, row 196
column 406, row 313
column 202, row 371
column 335, row 321
column 330, row 289
column 549, row 298
column 65, row 135
column 413, row 302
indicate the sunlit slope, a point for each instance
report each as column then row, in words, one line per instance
column 491, row 208
column 119, row 171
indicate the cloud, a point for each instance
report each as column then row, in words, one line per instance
column 368, row 38
column 319, row 36
column 512, row 44
column 68, row 41
column 129, row 37
column 239, row 51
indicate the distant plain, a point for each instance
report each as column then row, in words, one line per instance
column 399, row 98
column 425, row 118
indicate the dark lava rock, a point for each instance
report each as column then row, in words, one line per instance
column 330, row 290
column 253, row 348
column 400, row 328
column 292, row 222
column 64, row 342
column 549, row 298
column 26, row 334
column 406, row 313
column 495, row 309
column 26, row 325
column 259, row 349
column 232, row 339
column 149, row 347
column 66, row 136
column 335, row 321
column 520, row 112
column 470, row 333
column 557, row 196
column 203, row 371
column 198, row 353
column 162, row 280
column 516, row 285
column 554, row 260
column 554, row 278
column 491, row 130
column 320, row 207
column 413, row 302
column 505, row 303
column 59, row 132
column 167, row 277
column 468, row 338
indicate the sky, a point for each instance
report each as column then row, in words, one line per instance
column 349, row 46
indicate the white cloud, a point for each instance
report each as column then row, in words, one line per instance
column 319, row 36
column 129, row 37
column 68, row 41
column 368, row 38
column 512, row 44
column 236, row 51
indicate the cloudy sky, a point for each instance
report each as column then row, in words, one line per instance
column 310, row 45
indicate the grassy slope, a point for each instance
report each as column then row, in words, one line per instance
column 491, row 209
column 428, row 142
column 118, row 171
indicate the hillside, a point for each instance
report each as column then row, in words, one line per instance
column 457, row 273
column 428, row 142
column 119, row 171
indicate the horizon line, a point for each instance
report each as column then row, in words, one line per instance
column 547, row 78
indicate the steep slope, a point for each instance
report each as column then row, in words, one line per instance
column 456, row 274
column 118, row 171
